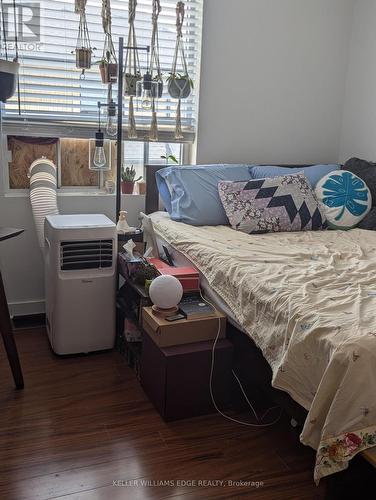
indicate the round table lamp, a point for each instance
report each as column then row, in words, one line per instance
column 165, row 292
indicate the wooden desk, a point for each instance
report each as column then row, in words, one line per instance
column 5, row 321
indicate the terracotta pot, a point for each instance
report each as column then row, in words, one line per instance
column 141, row 187
column 127, row 187
column 108, row 72
column 8, row 78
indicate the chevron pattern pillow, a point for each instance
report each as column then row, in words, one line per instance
column 285, row 203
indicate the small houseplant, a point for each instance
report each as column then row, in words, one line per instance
column 170, row 157
column 179, row 86
column 128, row 179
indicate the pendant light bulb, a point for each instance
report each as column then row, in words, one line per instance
column 99, row 159
column 147, row 100
column 111, row 126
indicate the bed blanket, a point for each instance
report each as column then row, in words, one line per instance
column 308, row 300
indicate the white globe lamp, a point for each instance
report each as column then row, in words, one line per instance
column 165, row 292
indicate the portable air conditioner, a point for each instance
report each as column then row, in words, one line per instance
column 80, row 265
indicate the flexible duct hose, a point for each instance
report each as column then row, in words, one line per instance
column 43, row 184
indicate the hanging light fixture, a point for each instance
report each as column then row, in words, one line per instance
column 99, row 158
column 111, row 125
column 146, row 89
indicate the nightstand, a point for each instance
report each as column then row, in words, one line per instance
column 176, row 378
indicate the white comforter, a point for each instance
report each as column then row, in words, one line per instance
column 308, row 300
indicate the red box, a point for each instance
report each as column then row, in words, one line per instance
column 188, row 276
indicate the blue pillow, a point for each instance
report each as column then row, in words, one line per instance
column 190, row 193
column 313, row 173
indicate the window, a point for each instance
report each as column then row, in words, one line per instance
column 52, row 90
column 72, row 158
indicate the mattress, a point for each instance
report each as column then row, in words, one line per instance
column 308, row 301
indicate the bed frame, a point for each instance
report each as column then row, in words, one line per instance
column 249, row 363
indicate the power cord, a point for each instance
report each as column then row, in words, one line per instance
column 259, row 420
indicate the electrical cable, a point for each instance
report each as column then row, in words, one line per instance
column 248, row 424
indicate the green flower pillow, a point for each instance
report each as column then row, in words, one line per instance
column 344, row 198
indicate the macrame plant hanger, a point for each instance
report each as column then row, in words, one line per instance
column 83, row 48
column 179, row 84
column 155, row 69
column 108, row 65
column 132, row 72
column 9, row 68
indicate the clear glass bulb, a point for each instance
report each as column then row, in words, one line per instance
column 99, row 159
column 147, row 100
column 111, row 126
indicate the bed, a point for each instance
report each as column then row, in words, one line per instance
column 307, row 300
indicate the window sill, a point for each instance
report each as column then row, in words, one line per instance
column 25, row 193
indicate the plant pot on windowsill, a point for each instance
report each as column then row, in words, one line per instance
column 8, row 78
column 127, row 187
column 83, row 58
column 179, row 87
column 108, row 72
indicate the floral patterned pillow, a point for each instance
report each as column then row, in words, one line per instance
column 285, row 203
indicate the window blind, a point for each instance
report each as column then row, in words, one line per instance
column 52, row 92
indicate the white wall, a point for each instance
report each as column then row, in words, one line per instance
column 358, row 136
column 272, row 80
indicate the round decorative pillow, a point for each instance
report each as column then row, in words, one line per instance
column 344, row 198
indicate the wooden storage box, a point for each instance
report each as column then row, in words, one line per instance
column 176, row 379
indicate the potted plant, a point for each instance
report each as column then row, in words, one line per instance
column 83, row 58
column 8, row 78
column 179, row 86
column 128, row 175
column 83, row 47
column 108, row 70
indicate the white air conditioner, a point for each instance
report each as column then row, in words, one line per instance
column 80, row 265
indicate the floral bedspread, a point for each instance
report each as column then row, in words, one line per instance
column 308, row 300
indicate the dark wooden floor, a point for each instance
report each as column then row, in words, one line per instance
column 82, row 423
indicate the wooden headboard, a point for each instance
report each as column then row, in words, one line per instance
column 152, row 194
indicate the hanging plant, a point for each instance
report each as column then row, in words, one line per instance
column 8, row 78
column 155, row 66
column 108, row 64
column 9, row 68
column 83, row 48
column 156, row 90
column 132, row 72
column 180, row 85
